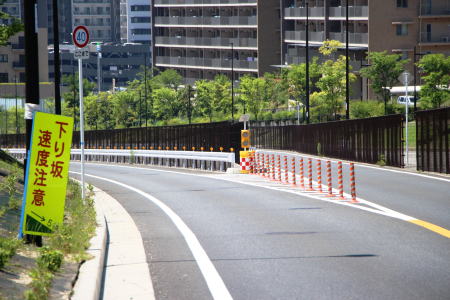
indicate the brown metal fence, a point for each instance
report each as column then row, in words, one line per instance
column 432, row 140
column 206, row 135
column 366, row 140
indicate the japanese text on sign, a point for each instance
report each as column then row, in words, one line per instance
column 47, row 173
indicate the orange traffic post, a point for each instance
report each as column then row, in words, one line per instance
column 286, row 172
column 279, row 168
column 319, row 175
column 272, row 168
column 329, row 180
column 302, row 180
column 340, row 182
column 294, row 182
column 353, row 183
column 310, row 179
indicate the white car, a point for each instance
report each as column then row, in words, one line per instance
column 402, row 100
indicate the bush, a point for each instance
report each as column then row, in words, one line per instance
column 8, row 247
column 50, row 259
column 73, row 235
column 40, row 284
column 366, row 109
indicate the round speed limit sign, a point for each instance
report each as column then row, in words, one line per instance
column 80, row 36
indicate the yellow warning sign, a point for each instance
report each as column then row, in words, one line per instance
column 47, row 174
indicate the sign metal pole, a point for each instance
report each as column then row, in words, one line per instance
column 80, row 88
column 406, row 74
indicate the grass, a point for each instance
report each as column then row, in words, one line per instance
column 68, row 242
column 411, row 135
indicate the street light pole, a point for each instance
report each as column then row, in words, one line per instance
column 17, row 119
column 347, row 90
column 145, row 87
column 307, row 61
column 56, row 56
column 190, row 106
column 232, row 81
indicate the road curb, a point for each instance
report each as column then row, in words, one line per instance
column 90, row 274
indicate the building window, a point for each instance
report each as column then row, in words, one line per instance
column 141, row 31
column 3, row 77
column 402, row 29
column 3, row 58
column 22, row 77
column 402, row 3
column 140, row 20
column 140, row 7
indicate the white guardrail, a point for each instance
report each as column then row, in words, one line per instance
column 214, row 161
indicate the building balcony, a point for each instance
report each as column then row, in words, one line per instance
column 435, row 12
column 18, row 46
column 92, row 13
column 300, row 36
column 355, row 66
column 201, row 2
column 300, row 12
column 431, row 39
column 206, row 42
column 360, row 12
column 206, row 63
column 18, row 65
column 206, row 21
column 353, row 37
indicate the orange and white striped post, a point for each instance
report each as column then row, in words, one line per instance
column 340, row 182
column 260, row 163
column 329, row 180
column 286, row 173
column 266, row 166
column 279, row 168
column 353, row 183
column 294, row 182
column 319, row 175
column 272, row 175
column 269, row 162
column 302, row 181
column 310, row 179
column 263, row 166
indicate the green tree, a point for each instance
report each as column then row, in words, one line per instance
column 71, row 97
column 251, row 91
column 221, row 94
column 7, row 31
column 125, row 109
column 203, row 104
column 167, row 104
column 332, row 86
column 99, row 111
column 435, row 91
column 296, row 80
column 168, row 78
column 383, row 72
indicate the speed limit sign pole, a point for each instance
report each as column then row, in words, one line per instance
column 80, row 36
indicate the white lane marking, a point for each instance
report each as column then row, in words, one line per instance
column 361, row 165
column 377, row 209
column 213, row 280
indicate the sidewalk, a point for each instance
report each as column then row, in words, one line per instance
column 119, row 257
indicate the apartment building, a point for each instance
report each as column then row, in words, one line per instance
column 135, row 21
column 65, row 25
column 119, row 63
column 12, row 56
column 100, row 16
column 401, row 25
column 395, row 26
column 201, row 39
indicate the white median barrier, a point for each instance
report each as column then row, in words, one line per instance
column 194, row 159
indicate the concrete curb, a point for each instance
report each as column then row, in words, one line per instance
column 90, row 275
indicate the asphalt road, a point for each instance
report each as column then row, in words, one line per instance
column 268, row 244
